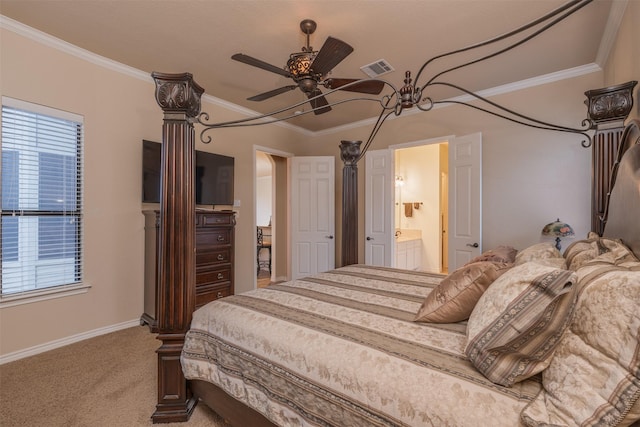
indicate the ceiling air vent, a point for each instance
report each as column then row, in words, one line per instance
column 377, row 68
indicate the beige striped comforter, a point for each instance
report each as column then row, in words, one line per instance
column 340, row 349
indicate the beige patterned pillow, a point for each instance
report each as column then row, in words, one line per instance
column 542, row 253
column 582, row 251
column 594, row 376
column 454, row 298
column 499, row 254
column 517, row 323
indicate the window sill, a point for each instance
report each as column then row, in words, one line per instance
column 43, row 295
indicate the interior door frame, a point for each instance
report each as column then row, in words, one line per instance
column 414, row 144
column 274, row 228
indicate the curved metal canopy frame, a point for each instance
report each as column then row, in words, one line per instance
column 413, row 95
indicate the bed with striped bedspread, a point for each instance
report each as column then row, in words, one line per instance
column 341, row 348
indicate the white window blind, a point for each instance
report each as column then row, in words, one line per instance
column 41, row 198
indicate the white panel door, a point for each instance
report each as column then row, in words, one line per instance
column 465, row 210
column 312, row 215
column 378, row 221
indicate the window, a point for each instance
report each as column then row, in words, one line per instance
column 41, row 224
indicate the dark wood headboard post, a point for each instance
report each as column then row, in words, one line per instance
column 608, row 109
column 179, row 97
column 350, row 153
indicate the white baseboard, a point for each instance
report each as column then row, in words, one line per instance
column 41, row 348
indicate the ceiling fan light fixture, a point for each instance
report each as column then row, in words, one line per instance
column 299, row 64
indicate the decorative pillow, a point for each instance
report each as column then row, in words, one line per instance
column 542, row 253
column 454, row 298
column 500, row 254
column 517, row 323
column 594, row 376
column 580, row 252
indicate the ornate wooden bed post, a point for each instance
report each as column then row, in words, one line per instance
column 179, row 97
column 608, row 108
column 349, row 153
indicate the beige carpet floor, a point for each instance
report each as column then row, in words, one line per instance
column 103, row 381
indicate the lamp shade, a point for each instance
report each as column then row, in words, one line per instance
column 557, row 229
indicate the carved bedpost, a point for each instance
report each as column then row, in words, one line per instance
column 349, row 153
column 608, row 108
column 179, row 97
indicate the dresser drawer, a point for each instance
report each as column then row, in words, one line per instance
column 212, row 276
column 213, row 237
column 213, row 256
column 205, row 294
column 214, row 220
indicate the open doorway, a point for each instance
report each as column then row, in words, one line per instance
column 445, row 185
column 421, row 207
column 271, row 216
column 264, row 218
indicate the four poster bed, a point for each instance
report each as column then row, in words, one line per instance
column 530, row 337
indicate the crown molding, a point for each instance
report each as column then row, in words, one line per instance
column 616, row 14
column 71, row 49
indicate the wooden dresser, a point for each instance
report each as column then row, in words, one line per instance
column 214, row 259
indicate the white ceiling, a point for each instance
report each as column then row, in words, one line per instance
column 199, row 37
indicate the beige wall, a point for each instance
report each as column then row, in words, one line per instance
column 551, row 169
column 119, row 111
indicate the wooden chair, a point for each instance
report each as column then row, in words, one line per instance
column 261, row 244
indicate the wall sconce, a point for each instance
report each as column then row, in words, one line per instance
column 557, row 229
column 399, row 181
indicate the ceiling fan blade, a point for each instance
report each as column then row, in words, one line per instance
column 332, row 52
column 365, row 86
column 266, row 95
column 241, row 57
column 318, row 102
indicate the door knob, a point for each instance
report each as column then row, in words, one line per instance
column 370, row 238
column 475, row 245
column 329, row 237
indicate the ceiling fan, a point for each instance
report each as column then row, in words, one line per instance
column 309, row 69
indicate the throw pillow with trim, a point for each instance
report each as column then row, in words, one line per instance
column 517, row 323
column 581, row 252
column 594, row 376
column 456, row 295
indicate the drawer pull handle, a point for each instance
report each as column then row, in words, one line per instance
column 220, row 276
column 221, row 238
column 219, row 295
column 220, row 257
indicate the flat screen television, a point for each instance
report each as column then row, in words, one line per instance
column 213, row 176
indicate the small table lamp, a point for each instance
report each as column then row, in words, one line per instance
column 557, row 229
